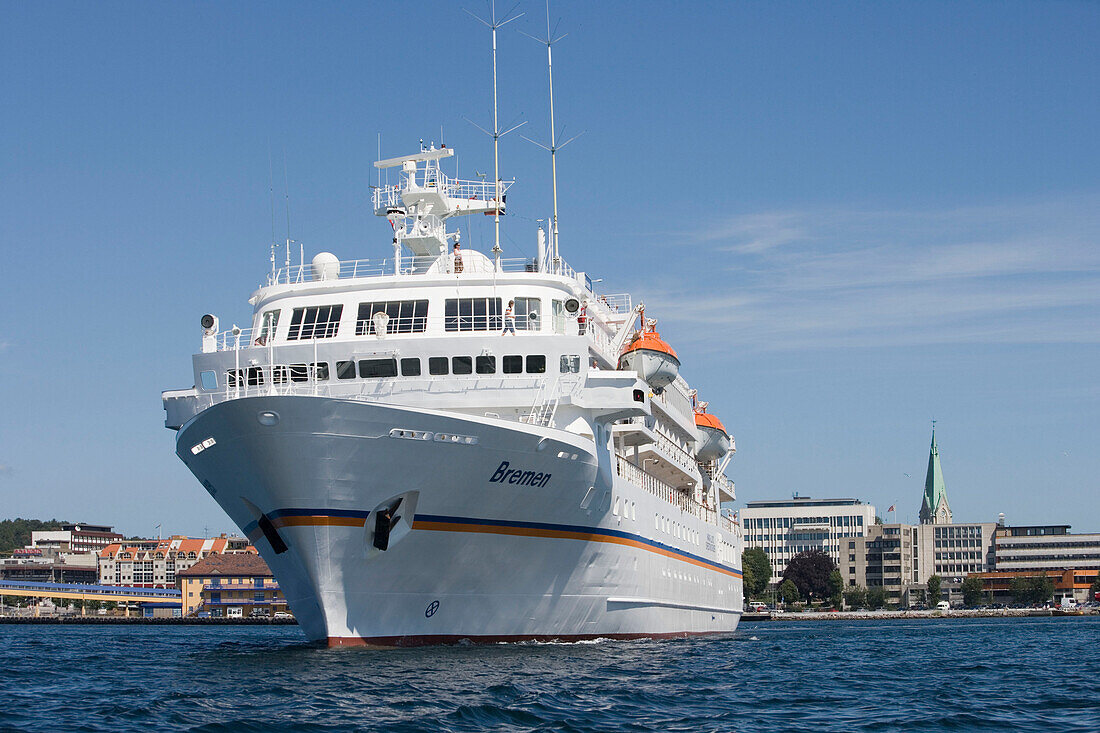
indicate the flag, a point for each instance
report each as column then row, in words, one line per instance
column 891, row 508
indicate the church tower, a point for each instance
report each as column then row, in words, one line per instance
column 934, row 508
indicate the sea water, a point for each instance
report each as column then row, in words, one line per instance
column 883, row 675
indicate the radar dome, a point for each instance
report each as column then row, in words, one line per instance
column 326, row 266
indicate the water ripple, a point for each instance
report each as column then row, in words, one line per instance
column 968, row 675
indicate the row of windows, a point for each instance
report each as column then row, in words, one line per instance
column 404, row 316
column 255, row 376
column 958, row 531
column 787, row 522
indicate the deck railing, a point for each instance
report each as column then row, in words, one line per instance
column 645, row 480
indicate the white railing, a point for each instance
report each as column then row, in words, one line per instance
column 411, row 265
column 388, row 197
column 647, row 481
column 619, row 303
column 675, row 453
column 483, row 324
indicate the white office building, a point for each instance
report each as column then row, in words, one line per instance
column 785, row 528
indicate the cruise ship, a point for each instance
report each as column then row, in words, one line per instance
column 441, row 444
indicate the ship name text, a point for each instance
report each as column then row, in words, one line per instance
column 506, row 475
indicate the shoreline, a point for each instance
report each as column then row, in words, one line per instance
column 138, row 621
column 929, row 614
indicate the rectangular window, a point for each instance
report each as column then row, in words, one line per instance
column 404, row 316
column 235, row 378
column 320, row 370
column 345, row 370
column 279, row 375
column 255, row 376
column 559, row 316
column 437, row 365
column 472, row 314
column 462, row 365
column 268, row 324
column 319, row 321
column 570, row 363
column 377, row 368
column 486, row 365
column 536, row 364
column 410, row 367
column 528, row 314
column 299, row 373
column 512, row 364
column 209, row 379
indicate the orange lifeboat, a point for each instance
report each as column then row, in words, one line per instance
column 652, row 358
column 713, row 440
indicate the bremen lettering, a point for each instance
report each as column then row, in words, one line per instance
column 505, row 475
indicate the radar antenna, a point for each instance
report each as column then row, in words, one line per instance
column 492, row 24
column 550, row 40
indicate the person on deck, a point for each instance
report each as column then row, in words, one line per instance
column 458, row 257
column 510, row 319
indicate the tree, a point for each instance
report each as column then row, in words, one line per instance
column 855, row 597
column 757, row 569
column 972, row 591
column 1019, row 589
column 17, row 532
column 934, row 594
column 809, row 571
column 876, row 597
column 1041, row 587
column 788, row 592
column 836, row 589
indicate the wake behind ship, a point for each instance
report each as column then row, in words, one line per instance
column 445, row 445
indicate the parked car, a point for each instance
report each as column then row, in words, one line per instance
column 259, row 613
column 280, row 615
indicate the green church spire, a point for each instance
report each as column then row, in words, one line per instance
column 934, row 508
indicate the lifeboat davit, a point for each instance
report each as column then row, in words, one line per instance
column 652, row 358
column 713, row 441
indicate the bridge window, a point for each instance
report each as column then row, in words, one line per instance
column 267, row 328
column 320, row 370
column 319, row 321
column 472, row 314
column 437, row 365
column 410, row 367
column 405, row 316
column 570, row 363
column 527, row 314
column 345, row 370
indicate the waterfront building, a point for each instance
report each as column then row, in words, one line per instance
column 156, row 563
column 66, row 555
column 228, row 585
column 787, row 527
column 75, row 538
column 1072, row 561
column 902, row 557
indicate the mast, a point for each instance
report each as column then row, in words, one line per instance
column 492, row 24
column 555, row 254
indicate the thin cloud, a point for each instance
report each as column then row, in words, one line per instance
column 5, row 469
column 1012, row 273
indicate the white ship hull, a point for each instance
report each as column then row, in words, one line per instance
column 507, row 531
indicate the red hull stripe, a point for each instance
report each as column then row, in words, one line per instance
column 437, row 639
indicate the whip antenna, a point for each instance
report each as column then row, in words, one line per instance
column 492, row 24
column 550, row 40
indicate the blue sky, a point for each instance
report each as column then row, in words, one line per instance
column 849, row 218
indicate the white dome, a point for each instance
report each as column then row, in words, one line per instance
column 326, row 266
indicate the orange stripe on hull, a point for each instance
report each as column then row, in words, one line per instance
column 564, row 535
